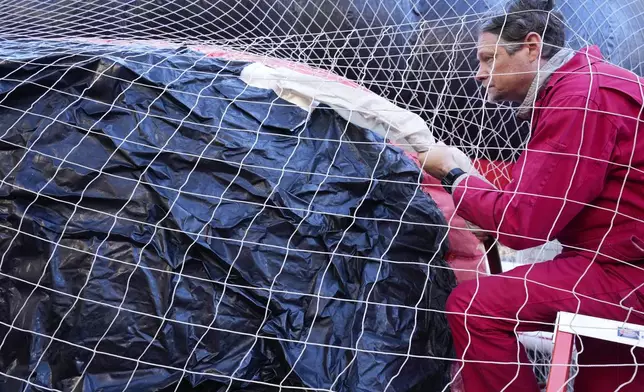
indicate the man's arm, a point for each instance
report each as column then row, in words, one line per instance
column 564, row 168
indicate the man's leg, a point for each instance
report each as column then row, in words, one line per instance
column 483, row 316
column 605, row 366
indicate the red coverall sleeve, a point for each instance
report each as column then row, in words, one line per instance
column 567, row 157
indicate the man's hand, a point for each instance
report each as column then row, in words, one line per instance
column 438, row 161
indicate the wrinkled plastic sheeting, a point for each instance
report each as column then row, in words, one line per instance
column 150, row 229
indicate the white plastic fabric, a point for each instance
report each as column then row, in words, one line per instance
column 361, row 107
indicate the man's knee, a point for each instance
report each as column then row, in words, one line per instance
column 460, row 299
column 473, row 299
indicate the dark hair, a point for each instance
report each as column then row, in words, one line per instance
column 521, row 17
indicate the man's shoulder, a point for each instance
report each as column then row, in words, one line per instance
column 601, row 81
column 606, row 89
column 615, row 82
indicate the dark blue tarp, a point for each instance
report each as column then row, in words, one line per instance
column 127, row 223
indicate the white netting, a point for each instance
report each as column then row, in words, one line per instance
column 394, row 67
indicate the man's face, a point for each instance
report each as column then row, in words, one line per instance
column 507, row 77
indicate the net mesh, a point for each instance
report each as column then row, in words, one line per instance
column 419, row 55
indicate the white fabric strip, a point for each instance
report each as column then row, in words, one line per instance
column 359, row 106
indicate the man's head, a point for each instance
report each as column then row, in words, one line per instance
column 514, row 43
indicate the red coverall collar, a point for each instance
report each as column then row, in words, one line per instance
column 580, row 60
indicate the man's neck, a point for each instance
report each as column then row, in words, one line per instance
column 541, row 76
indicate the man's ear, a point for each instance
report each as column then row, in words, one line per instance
column 534, row 44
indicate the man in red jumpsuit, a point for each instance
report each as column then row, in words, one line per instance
column 580, row 181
